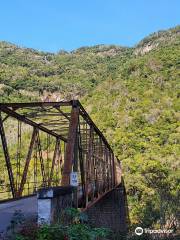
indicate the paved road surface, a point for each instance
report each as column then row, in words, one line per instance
column 28, row 206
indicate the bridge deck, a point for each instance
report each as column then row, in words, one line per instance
column 28, row 206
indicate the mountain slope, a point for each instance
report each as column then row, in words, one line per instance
column 69, row 75
column 139, row 112
column 133, row 96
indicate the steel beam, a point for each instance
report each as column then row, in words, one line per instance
column 75, row 167
column 89, row 165
column 36, row 104
column 64, row 114
column 28, row 158
column 41, row 159
column 7, row 158
column 28, row 121
column 69, row 154
column 55, row 156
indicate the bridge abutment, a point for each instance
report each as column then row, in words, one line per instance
column 51, row 202
column 109, row 211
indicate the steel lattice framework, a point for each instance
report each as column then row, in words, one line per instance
column 43, row 142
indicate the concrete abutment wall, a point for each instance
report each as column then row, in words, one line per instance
column 110, row 211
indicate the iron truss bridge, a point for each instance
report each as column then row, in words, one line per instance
column 44, row 143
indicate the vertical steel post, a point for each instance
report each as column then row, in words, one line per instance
column 91, row 162
column 39, row 148
column 55, row 157
column 69, row 154
column 7, row 158
column 75, row 167
column 114, row 169
column 111, row 172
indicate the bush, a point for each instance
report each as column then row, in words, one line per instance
column 73, row 226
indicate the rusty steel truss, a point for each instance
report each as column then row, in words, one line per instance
column 43, row 142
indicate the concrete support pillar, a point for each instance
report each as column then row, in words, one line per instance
column 51, row 202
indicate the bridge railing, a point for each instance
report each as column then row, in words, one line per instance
column 89, row 154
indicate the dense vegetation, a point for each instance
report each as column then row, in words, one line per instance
column 28, row 73
column 138, row 111
column 72, row 225
column 133, row 96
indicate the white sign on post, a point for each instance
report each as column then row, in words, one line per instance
column 74, row 179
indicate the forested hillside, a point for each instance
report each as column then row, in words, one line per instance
column 133, row 96
column 139, row 114
column 28, row 73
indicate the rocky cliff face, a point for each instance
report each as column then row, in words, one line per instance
column 158, row 39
